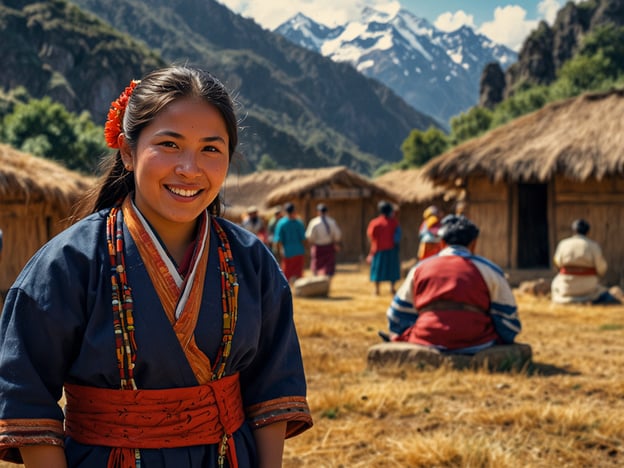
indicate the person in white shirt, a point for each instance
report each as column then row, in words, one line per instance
column 324, row 236
column 581, row 264
column 254, row 223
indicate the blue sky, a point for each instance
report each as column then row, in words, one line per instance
column 506, row 22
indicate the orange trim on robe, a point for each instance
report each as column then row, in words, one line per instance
column 15, row 433
column 294, row 410
column 169, row 293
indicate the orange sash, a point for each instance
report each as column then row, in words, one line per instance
column 177, row 417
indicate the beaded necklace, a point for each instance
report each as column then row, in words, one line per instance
column 123, row 320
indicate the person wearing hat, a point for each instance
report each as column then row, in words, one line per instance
column 455, row 301
column 429, row 241
column 254, row 223
column 581, row 264
column 290, row 240
column 384, row 234
column 323, row 235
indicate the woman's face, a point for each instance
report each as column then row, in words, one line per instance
column 179, row 165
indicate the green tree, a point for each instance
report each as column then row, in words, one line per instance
column 608, row 42
column 470, row 124
column 47, row 129
column 519, row 104
column 419, row 147
column 8, row 101
column 599, row 64
column 266, row 163
column 585, row 73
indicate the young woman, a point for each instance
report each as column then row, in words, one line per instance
column 384, row 234
column 169, row 329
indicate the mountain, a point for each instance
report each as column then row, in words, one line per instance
column 436, row 72
column 547, row 48
column 299, row 108
column 53, row 49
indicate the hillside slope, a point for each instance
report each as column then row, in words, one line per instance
column 288, row 94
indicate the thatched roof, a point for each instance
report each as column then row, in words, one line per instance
column 24, row 177
column 411, row 186
column 303, row 181
column 579, row 138
column 266, row 189
column 242, row 191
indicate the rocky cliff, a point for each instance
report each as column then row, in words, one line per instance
column 548, row 47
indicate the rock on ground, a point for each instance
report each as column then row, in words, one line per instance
column 497, row 358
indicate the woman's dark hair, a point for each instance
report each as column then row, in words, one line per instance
column 156, row 91
column 385, row 208
column 580, row 226
column 458, row 230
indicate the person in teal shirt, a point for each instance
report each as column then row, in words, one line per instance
column 291, row 241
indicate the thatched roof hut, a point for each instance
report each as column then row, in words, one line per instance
column 415, row 193
column 37, row 196
column 351, row 199
column 242, row 191
column 528, row 180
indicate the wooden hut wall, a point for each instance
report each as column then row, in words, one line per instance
column 410, row 217
column 26, row 227
column 601, row 203
column 352, row 216
column 488, row 206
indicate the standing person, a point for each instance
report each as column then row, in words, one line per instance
column 290, row 241
column 384, row 234
column 254, row 223
column 430, row 243
column 323, row 235
column 581, row 264
column 456, row 301
column 169, row 329
column 277, row 215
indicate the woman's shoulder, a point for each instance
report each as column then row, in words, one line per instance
column 80, row 236
column 72, row 250
column 237, row 234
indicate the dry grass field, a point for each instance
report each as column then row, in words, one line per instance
column 566, row 410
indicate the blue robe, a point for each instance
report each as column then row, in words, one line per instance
column 57, row 326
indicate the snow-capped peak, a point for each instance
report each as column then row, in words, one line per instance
column 436, row 72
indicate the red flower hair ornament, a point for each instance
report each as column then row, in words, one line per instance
column 112, row 128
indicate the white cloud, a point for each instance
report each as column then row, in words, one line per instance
column 510, row 26
column 548, row 10
column 452, row 21
column 270, row 14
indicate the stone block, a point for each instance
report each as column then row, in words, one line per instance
column 312, row 286
column 407, row 355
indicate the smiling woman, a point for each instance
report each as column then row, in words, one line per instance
column 154, row 304
column 179, row 168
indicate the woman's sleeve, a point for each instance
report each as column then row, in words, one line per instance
column 38, row 330
column 275, row 380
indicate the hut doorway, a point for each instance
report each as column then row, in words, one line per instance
column 533, row 251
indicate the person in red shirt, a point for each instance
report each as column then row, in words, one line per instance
column 455, row 301
column 384, row 234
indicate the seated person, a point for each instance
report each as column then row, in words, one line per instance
column 580, row 264
column 456, row 301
